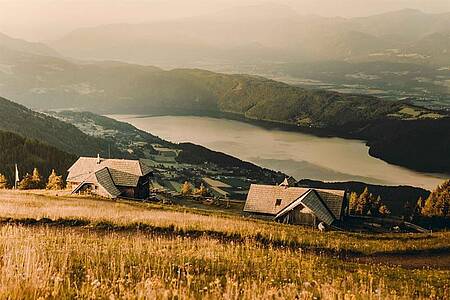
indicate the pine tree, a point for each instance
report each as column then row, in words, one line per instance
column 54, row 182
column 363, row 205
column 36, row 178
column 201, row 191
column 384, row 211
column 353, row 202
column 438, row 203
column 26, row 183
column 3, row 182
column 186, row 189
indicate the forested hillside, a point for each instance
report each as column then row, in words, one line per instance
column 29, row 154
column 30, row 124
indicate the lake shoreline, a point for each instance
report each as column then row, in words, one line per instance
column 302, row 155
column 349, row 132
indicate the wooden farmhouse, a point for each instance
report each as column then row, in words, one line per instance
column 110, row 178
column 296, row 205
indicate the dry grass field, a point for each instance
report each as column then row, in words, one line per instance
column 65, row 247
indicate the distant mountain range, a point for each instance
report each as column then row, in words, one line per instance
column 45, row 82
column 267, row 33
column 25, row 46
column 51, row 82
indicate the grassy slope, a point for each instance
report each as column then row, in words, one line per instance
column 97, row 248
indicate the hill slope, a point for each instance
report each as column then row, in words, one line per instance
column 28, row 154
column 33, row 125
column 44, row 82
column 48, row 83
column 25, row 46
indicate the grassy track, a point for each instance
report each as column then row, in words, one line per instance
column 65, row 247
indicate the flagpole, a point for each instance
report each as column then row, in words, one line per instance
column 16, row 178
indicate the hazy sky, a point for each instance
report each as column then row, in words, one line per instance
column 49, row 19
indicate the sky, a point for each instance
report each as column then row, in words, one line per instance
column 42, row 20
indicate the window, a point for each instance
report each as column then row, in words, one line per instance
column 278, row 202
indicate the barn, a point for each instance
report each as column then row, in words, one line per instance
column 296, row 205
column 110, row 178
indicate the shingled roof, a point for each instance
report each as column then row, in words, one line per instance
column 105, row 180
column 123, row 172
column 263, row 198
column 276, row 200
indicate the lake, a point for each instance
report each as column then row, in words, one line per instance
column 297, row 154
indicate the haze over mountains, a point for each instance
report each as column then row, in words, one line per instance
column 371, row 49
column 266, row 33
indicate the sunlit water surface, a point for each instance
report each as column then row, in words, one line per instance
column 297, row 154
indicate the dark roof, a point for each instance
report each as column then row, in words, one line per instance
column 333, row 199
column 124, row 179
column 105, row 180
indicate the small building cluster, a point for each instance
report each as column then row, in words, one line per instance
column 284, row 203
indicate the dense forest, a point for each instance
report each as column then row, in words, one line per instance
column 30, row 154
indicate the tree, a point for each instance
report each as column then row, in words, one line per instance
column 363, row 204
column 438, row 203
column 26, row 183
column 383, row 210
column 353, row 202
column 186, row 189
column 54, row 182
column 30, row 182
column 3, row 182
column 201, row 191
column 38, row 183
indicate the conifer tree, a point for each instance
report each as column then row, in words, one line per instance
column 201, row 191
column 438, row 203
column 54, row 182
column 3, row 182
column 26, row 183
column 38, row 183
column 353, row 202
column 186, row 189
column 384, row 211
column 363, row 205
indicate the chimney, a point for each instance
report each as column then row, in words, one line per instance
column 98, row 159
